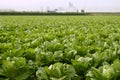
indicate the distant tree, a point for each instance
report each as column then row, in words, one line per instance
column 82, row 11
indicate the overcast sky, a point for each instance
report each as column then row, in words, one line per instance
column 37, row 5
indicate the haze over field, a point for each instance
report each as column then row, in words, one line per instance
column 62, row 5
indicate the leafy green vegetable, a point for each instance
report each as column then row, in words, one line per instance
column 59, row 48
column 18, row 67
column 57, row 71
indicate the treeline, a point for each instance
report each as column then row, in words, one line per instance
column 41, row 13
column 67, row 13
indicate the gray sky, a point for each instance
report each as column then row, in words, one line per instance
column 37, row 5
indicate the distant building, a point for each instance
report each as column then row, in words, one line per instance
column 52, row 11
column 7, row 10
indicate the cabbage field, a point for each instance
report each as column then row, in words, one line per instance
column 59, row 47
